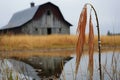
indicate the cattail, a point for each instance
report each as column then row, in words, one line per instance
column 81, row 38
column 91, row 48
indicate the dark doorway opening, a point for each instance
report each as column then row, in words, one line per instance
column 49, row 30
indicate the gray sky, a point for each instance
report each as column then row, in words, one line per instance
column 108, row 12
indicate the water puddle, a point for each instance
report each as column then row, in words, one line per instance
column 110, row 67
column 47, row 67
column 33, row 68
column 56, row 68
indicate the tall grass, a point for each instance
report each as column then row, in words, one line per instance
column 16, row 42
column 22, row 55
column 110, row 40
column 81, row 40
column 81, row 36
column 113, row 70
column 28, row 42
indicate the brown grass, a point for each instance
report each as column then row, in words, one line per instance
column 81, row 41
column 81, row 36
column 110, row 40
column 91, row 49
column 23, row 42
column 22, row 55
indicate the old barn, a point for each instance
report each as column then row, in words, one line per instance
column 38, row 20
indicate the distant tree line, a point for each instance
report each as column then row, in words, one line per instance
column 110, row 34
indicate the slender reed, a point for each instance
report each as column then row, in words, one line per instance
column 91, row 48
column 81, row 37
column 81, row 40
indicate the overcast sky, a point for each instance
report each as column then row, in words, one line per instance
column 108, row 12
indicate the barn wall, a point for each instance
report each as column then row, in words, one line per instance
column 47, row 24
column 16, row 30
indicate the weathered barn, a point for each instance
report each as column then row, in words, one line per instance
column 39, row 20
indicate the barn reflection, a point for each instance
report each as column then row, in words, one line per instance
column 47, row 67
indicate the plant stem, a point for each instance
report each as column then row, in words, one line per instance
column 99, row 41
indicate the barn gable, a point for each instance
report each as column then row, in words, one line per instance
column 42, row 19
column 46, row 8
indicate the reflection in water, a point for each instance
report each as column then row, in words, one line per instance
column 47, row 67
column 35, row 65
column 52, row 67
column 34, row 68
column 110, row 67
column 16, row 70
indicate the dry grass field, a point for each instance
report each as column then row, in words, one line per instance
column 27, row 42
column 36, row 42
column 20, row 55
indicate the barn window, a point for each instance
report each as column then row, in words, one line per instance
column 48, row 13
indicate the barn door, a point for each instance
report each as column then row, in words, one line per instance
column 49, row 31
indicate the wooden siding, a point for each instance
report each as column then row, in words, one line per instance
column 16, row 30
column 46, row 24
column 44, row 8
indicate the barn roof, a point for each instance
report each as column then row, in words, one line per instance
column 22, row 17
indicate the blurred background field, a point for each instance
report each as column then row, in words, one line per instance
column 31, row 42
